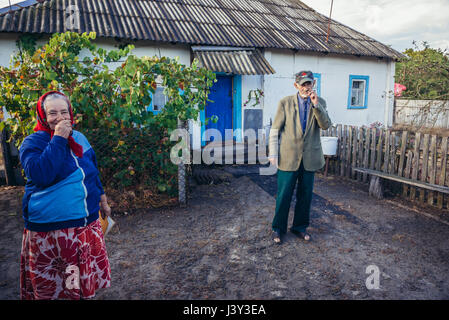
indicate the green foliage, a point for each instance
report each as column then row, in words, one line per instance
column 138, row 157
column 27, row 42
column 109, row 92
column 425, row 73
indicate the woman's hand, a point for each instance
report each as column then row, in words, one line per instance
column 105, row 209
column 63, row 128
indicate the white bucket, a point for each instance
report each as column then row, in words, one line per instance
column 329, row 145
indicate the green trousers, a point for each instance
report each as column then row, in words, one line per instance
column 287, row 180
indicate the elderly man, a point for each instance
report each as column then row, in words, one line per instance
column 298, row 120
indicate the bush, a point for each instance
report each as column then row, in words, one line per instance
column 131, row 143
column 425, row 73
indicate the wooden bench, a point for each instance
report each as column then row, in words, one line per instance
column 376, row 188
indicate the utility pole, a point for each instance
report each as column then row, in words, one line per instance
column 329, row 24
column 4, row 149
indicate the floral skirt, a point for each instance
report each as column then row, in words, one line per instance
column 64, row 264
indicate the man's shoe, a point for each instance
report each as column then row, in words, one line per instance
column 302, row 235
column 277, row 237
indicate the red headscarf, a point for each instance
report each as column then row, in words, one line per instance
column 42, row 124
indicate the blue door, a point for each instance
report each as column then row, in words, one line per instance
column 221, row 108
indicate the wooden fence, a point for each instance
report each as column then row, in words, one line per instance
column 417, row 156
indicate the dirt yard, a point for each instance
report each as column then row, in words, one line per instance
column 219, row 247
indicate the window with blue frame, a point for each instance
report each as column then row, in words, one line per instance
column 358, row 92
column 317, row 86
column 158, row 100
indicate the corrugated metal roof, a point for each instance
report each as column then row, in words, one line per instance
column 244, row 62
column 288, row 24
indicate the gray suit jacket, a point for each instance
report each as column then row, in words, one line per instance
column 296, row 146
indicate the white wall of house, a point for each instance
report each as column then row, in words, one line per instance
column 8, row 48
column 335, row 71
column 147, row 48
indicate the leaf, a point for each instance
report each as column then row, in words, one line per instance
column 36, row 58
column 50, row 75
column 124, row 83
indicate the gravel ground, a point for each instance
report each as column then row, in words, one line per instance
column 219, row 246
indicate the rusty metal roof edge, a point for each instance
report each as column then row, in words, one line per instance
column 342, row 53
column 221, row 48
column 243, row 62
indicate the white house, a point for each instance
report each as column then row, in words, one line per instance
column 250, row 44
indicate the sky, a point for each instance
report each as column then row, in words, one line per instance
column 396, row 23
column 4, row 3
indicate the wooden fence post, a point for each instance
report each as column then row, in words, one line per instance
column 367, row 137
column 402, row 153
column 442, row 177
column 391, row 165
column 432, row 167
column 415, row 165
column 334, row 160
column 354, row 151
column 348, row 152
column 360, row 154
column 425, row 165
column 6, row 153
column 402, row 160
column 340, row 146
column 387, row 151
column 343, row 151
column 373, row 148
column 407, row 172
column 380, row 150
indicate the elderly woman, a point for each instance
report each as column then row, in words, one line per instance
column 63, row 249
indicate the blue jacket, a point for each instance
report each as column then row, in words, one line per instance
column 62, row 190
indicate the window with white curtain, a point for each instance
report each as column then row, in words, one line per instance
column 358, row 92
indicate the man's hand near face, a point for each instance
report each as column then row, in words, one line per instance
column 314, row 98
